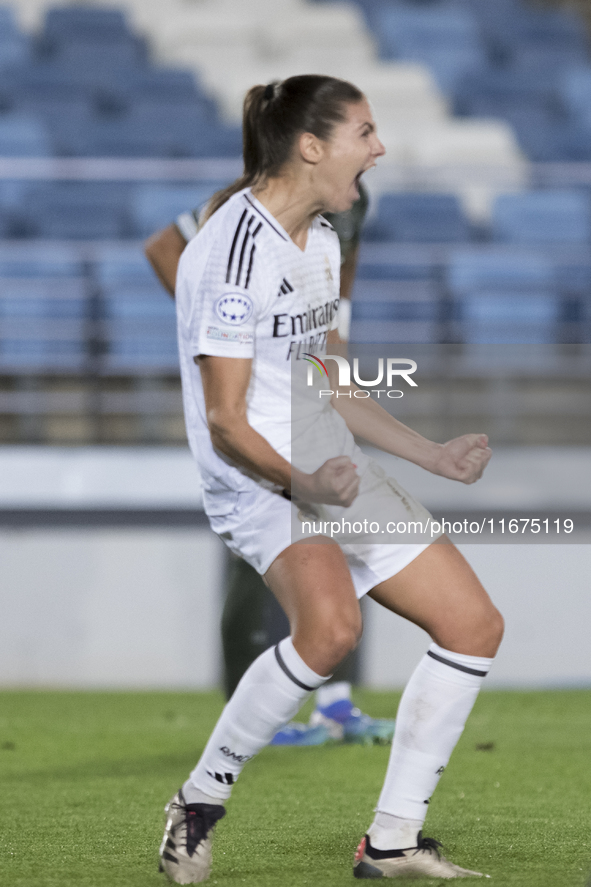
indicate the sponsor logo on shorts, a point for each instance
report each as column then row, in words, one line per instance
column 234, row 308
column 240, row 338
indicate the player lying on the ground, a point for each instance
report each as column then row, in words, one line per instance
column 251, row 619
column 307, row 141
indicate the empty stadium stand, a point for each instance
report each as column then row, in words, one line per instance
column 472, row 245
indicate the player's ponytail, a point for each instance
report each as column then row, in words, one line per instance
column 274, row 116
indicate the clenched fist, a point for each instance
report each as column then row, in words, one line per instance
column 336, row 482
column 463, row 458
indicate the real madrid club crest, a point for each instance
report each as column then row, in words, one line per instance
column 328, row 270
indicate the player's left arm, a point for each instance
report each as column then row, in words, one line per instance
column 463, row 458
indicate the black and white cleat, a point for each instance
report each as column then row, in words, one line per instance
column 185, row 852
column 424, row 860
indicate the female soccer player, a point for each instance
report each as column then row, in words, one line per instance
column 264, row 259
column 252, row 618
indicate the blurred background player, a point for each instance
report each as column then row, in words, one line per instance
column 252, row 619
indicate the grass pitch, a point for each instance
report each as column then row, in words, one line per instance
column 84, row 778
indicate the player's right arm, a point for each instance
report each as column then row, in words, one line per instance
column 225, row 385
column 163, row 251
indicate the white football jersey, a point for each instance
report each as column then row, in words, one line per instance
column 244, row 289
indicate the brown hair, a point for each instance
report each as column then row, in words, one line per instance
column 275, row 115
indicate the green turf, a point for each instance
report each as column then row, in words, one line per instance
column 84, row 777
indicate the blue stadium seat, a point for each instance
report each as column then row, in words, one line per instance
column 118, row 137
column 39, row 299
column 128, row 137
column 540, row 131
column 85, row 210
column 498, row 89
column 384, row 300
column 22, row 135
column 530, row 52
column 498, row 268
column 7, row 22
column 149, row 91
column 154, row 354
column 70, row 222
column 575, row 93
column 534, row 104
column 13, row 192
column 42, row 81
column 545, row 61
column 173, row 112
column 505, row 317
column 446, row 38
column 96, row 57
column 48, row 104
column 43, row 324
column 405, row 28
column 420, row 218
column 90, row 41
column 388, row 270
column 43, row 355
column 547, row 29
column 509, row 25
column 156, row 206
column 395, row 311
column 69, row 131
column 66, row 110
column 586, row 309
column 122, row 264
column 139, row 328
column 5, row 222
column 139, row 301
column 542, row 217
column 163, row 84
column 15, row 49
column 573, row 276
column 184, row 132
column 40, row 260
column 85, row 23
column 365, row 332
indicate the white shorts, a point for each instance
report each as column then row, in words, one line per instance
column 258, row 524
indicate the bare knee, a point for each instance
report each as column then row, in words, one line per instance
column 496, row 630
column 342, row 640
column 486, row 634
column 339, row 636
column 327, row 643
column 479, row 633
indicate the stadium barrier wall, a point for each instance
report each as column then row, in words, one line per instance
column 111, row 578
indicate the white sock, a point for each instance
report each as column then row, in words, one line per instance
column 393, row 832
column 270, row 693
column 431, row 717
column 192, row 795
column 333, row 692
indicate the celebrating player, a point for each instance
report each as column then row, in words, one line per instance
column 252, row 617
column 307, row 141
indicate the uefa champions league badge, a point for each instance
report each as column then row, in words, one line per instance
column 234, row 308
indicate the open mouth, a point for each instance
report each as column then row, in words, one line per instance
column 357, row 179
